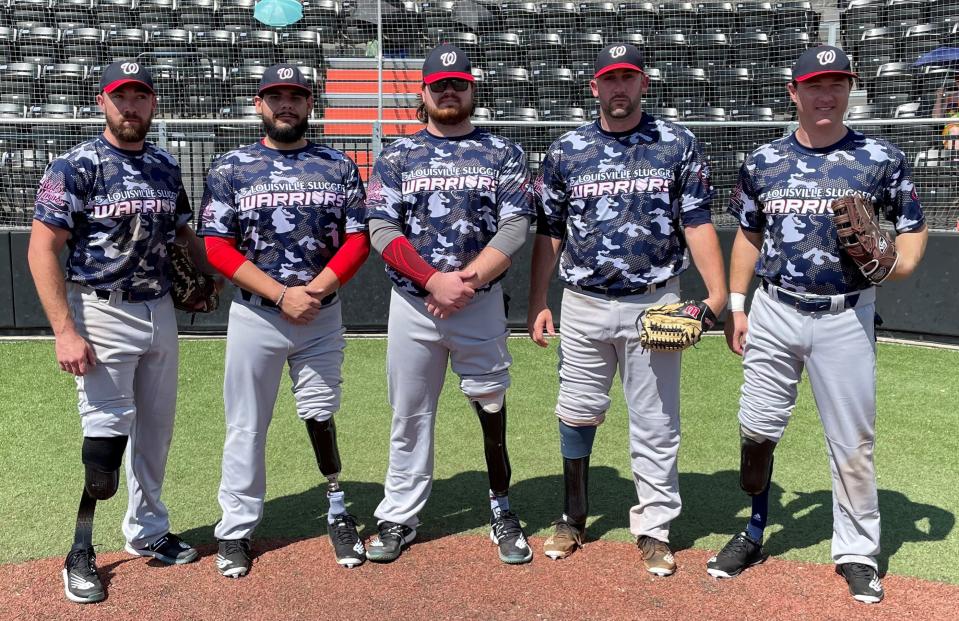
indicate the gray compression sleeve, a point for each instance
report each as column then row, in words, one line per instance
column 511, row 235
column 382, row 233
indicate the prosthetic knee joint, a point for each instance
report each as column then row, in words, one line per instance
column 755, row 465
column 323, row 438
column 101, row 459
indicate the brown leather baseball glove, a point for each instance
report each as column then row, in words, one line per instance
column 674, row 327
column 192, row 290
column 860, row 237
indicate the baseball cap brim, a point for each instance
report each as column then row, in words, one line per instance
column 112, row 86
column 816, row 74
column 615, row 66
column 442, row 75
column 279, row 84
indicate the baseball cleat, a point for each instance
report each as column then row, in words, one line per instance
column 565, row 539
column 389, row 544
column 739, row 554
column 347, row 545
column 168, row 549
column 657, row 556
column 81, row 584
column 863, row 581
column 507, row 533
column 234, row 557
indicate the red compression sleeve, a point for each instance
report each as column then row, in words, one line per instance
column 350, row 257
column 402, row 256
column 223, row 255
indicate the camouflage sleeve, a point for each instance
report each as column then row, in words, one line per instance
column 552, row 198
column 218, row 214
column 355, row 199
column 384, row 196
column 899, row 199
column 696, row 189
column 514, row 196
column 744, row 203
column 184, row 212
column 62, row 192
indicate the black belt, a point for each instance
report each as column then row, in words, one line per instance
column 129, row 296
column 258, row 300
column 621, row 293
column 808, row 303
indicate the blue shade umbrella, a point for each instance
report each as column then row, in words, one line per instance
column 278, row 13
column 939, row 56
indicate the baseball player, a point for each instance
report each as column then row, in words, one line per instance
column 814, row 308
column 621, row 198
column 116, row 202
column 283, row 219
column 447, row 208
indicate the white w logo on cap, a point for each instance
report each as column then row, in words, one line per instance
column 617, row 51
column 129, row 68
column 448, row 58
column 285, row 73
column 826, row 57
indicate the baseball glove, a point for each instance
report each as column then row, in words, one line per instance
column 860, row 237
column 192, row 290
column 674, row 327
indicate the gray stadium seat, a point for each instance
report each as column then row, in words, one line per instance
column 600, row 17
column 642, row 17
column 38, row 45
column 158, row 15
column 559, row 16
column 196, row 15
column 31, row 14
column 755, row 16
column 256, row 45
column 716, row 17
column 71, row 13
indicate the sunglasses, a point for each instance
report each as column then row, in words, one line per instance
column 458, row 85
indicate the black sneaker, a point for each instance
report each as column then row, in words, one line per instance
column 168, row 549
column 233, row 557
column 863, row 582
column 742, row 552
column 80, row 580
column 347, row 545
column 506, row 532
column 389, row 544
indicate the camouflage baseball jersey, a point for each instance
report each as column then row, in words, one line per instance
column 449, row 195
column 618, row 199
column 786, row 191
column 289, row 211
column 122, row 209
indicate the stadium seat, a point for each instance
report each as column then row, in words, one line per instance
column 797, row 14
column 563, row 114
column 169, row 43
column 214, row 47
column 945, row 11
column 666, row 114
column 66, row 84
column 668, row 49
column 7, row 45
column 788, row 45
column 237, row 15
column 771, row 90
column 752, row 49
column 205, row 91
column 512, row 83
column 859, row 16
column 582, row 46
column 125, row 43
column 716, row 17
column 38, row 45
column 483, row 114
column 919, row 39
column 545, row 49
column 518, row 17
column 900, row 14
column 877, row 47
column 755, row 16
column 753, row 114
column 678, row 17
column 115, row 15
column 861, row 112
column 10, row 111
column 322, row 16
column 730, row 87
column 256, row 46
column 469, row 42
column 85, row 43
column 704, row 113
column 196, row 15
column 686, row 87
column 562, row 17
column 504, row 47
column 891, row 78
column 404, row 31
column 600, row 17
column 555, row 83
column 710, row 49
column 440, row 14
column 300, row 47
column 54, row 111
column 69, row 14
column 31, row 14
column 641, row 17
column 158, row 15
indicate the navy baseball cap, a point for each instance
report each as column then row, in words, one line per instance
column 283, row 74
column 447, row 61
column 125, row 72
column 618, row 56
column 822, row 60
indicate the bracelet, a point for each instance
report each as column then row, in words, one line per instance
column 279, row 300
column 737, row 302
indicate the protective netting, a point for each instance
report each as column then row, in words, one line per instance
column 721, row 67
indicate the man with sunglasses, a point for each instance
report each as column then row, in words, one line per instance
column 283, row 219
column 447, row 208
column 621, row 198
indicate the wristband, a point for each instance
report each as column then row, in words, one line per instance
column 279, row 300
column 737, row 302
